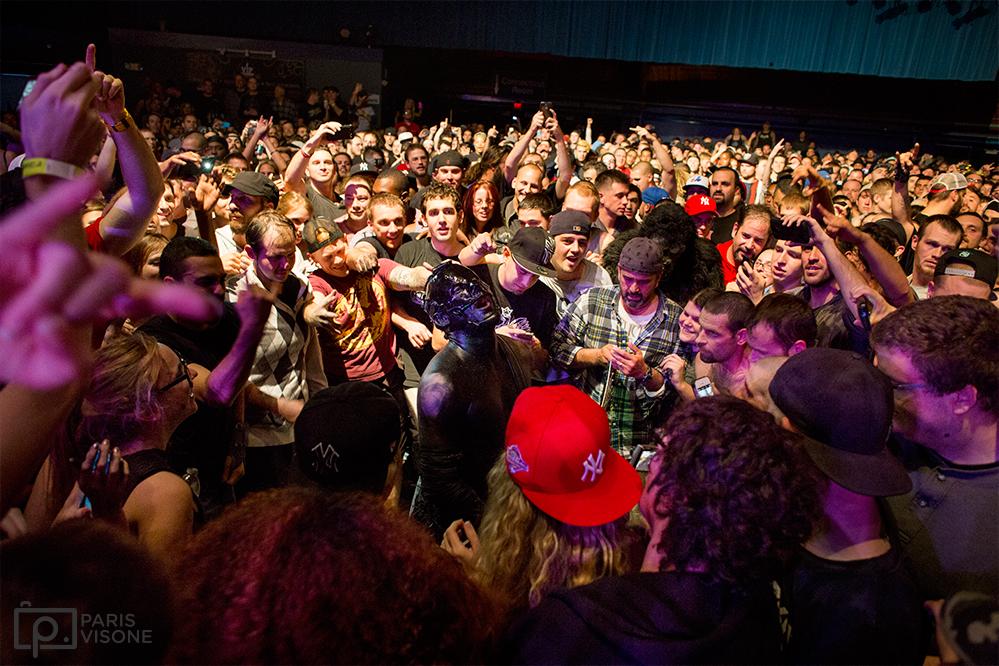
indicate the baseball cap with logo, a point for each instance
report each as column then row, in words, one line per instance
column 697, row 181
column 570, row 222
column 948, row 182
column 532, row 248
column 969, row 263
column 700, row 203
column 558, row 452
column 750, row 158
column 346, row 436
column 319, row 232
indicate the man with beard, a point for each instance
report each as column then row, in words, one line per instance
column 615, row 339
column 725, row 186
column 419, row 164
column 465, row 398
column 221, row 353
column 723, row 352
column 749, row 237
column 249, row 193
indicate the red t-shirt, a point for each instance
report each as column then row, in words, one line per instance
column 361, row 346
column 728, row 268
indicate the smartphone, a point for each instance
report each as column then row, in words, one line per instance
column 864, row 312
column 703, row 388
column 345, row 132
column 821, row 197
column 791, row 233
column 546, row 109
column 28, row 87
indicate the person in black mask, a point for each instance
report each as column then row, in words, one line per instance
column 465, row 397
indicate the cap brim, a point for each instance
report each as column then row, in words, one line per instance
column 533, row 267
column 611, row 497
column 876, row 475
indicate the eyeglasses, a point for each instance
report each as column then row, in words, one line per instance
column 183, row 375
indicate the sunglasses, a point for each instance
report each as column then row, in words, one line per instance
column 183, row 375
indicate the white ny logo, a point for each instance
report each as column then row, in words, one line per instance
column 593, row 468
column 328, row 455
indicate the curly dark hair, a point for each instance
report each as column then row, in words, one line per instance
column 690, row 264
column 300, row 575
column 926, row 332
column 735, row 488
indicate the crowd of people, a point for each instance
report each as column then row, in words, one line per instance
column 282, row 386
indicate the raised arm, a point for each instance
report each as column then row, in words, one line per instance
column 562, row 158
column 294, row 175
column 125, row 223
column 519, row 149
column 882, row 265
column 665, row 159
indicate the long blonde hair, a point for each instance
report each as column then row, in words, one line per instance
column 525, row 554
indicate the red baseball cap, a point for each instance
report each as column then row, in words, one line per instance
column 700, row 203
column 558, row 452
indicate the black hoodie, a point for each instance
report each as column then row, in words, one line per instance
column 650, row 618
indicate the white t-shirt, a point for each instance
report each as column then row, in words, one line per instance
column 568, row 291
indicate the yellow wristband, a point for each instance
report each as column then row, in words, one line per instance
column 40, row 166
column 123, row 123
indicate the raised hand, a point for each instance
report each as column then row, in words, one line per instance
column 58, row 119
column 104, row 480
column 51, row 289
column 206, row 193
column 110, row 99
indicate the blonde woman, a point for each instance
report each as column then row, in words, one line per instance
column 139, row 392
column 558, row 502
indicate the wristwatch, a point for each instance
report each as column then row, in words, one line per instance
column 123, row 123
column 648, row 376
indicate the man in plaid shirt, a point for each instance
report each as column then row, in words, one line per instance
column 626, row 331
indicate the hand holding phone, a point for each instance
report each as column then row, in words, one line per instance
column 703, row 388
column 546, row 109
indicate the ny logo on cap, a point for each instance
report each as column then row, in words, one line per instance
column 327, row 454
column 515, row 461
column 593, row 468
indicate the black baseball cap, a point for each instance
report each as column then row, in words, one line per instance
column 346, row 436
column 254, row 184
column 532, row 248
column 450, row 158
column 319, row 232
column 570, row 222
column 969, row 263
column 843, row 406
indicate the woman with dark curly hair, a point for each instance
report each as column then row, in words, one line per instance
column 728, row 499
column 306, row 576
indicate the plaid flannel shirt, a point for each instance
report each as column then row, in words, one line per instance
column 592, row 322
